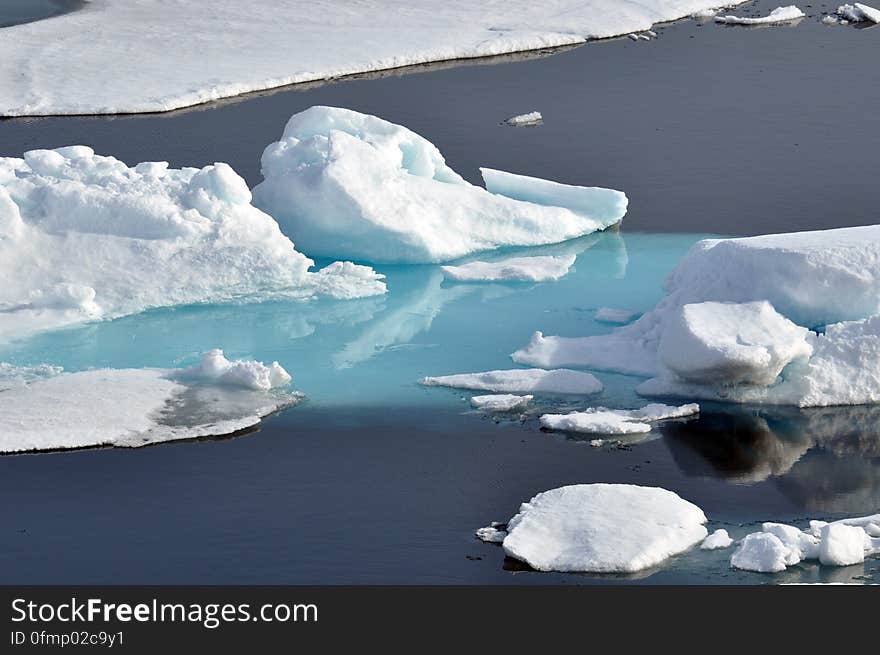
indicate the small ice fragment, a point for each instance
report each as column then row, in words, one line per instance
column 651, row 33
column 634, row 37
column 717, row 540
column 597, row 443
column 522, row 120
column 491, row 534
column 842, row 545
column 830, row 20
column 601, row 420
column 500, row 402
column 521, row 380
column 762, row 552
column 778, row 15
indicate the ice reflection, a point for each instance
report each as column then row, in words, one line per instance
column 823, row 459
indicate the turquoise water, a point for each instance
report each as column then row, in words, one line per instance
column 370, row 352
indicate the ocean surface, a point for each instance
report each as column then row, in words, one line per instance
column 374, row 479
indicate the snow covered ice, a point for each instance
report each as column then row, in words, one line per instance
column 786, row 319
column 542, row 268
column 136, row 407
column 154, row 237
column 504, row 402
column 778, row 15
column 355, row 186
column 718, row 540
column 525, row 120
column 601, row 420
column 858, row 12
column 839, row 543
column 602, row 528
column 196, row 51
column 520, row 380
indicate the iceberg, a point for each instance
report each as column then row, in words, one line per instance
column 525, row 120
column 602, row 528
column 789, row 319
column 543, row 268
column 839, row 543
column 197, row 51
column 504, row 402
column 858, row 13
column 561, row 381
column 778, row 15
column 350, row 185
column 601, row 420
column 86, row 237
column 53, row 410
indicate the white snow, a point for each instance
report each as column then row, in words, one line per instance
column 136, row 407
column 717, row 540
column 858, row 12
column 491, row 534
column 85, row 237
column 736, row 324
column 778, row 15
column 523, row 120
column 601, row 420
column 777, row 546
column 351, row 185
column 611, row 315
column 504, row 402
column 187, row 52
column 543, row 268
column 521, row 380
column 603, row 528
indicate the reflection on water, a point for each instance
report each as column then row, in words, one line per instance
column 823, row 459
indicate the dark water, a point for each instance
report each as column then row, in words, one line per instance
column 707, row 129
column 718, row 129
column 16, row 12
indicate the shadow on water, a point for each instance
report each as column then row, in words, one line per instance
column 18, row 12
column 823, row 459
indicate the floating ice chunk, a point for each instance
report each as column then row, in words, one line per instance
column 524, row 120
column 858, row 12
column 131, row 407
column 829, row 20
column 762, row 552
column 84, row 237
column 521, row 380
column 348, row 184
column 800, row 545
column 597, row 443
column 603, row 528
column 491, row 534
column 619, row 316
column 778, row 15
column 731, row 343
column 523, row 269
column 600, row 420
column 842, row 545
column 249, row 374
column 717, row 540
column 500, row 402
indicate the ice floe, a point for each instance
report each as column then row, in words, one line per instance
column 778, row 15
column 136, row 407
column 72, row 64
column 86, row 237
column 525, row 120
column 504, row 402
column 718, row 540
column 521, row 380
column 602, row 528
column 514, row 269
column 839, row 543
column 601, row 420
column 351, row 185
column 781, row 319
column 858, row 12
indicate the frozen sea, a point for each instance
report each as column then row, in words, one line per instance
column 708, row 129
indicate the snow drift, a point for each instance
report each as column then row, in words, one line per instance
column 86, row 237
column 47, row 409
column 188, row 52
column 346, row 184
column 783, row 319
